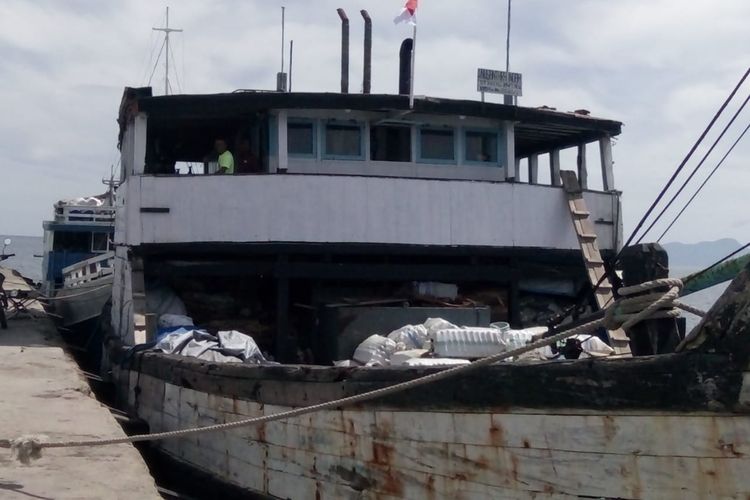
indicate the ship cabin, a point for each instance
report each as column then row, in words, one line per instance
column 81, row 230
column 349, row 214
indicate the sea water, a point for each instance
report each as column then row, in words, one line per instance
column 25, row 262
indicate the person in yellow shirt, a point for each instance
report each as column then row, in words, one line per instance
column 226, row 160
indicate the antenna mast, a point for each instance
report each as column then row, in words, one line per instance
column 167, row 31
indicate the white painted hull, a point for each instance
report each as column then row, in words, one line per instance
column 82, row 303
column 386, row 453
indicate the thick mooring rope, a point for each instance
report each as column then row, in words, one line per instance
column 623, row 313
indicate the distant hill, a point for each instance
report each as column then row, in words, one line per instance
column 700, row 254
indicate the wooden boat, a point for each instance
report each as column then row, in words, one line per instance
column 356, row 198
column 668, row 426
column 78, row 261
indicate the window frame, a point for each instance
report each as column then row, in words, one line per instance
column 408, row 127
column 498, row 163
column 363, row 153
column 436, row 161
column 304, row 121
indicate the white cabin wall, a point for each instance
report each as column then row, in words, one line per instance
column 342, row 209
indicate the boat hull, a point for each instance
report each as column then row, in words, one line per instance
column 456, row 447
column 76, row 305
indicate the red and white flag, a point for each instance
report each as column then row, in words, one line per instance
column 408, row 14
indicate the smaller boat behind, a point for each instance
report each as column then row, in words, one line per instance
column 78, row 261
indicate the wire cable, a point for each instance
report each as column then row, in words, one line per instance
column 700, row 188
column 695, row 170
column 156, row 63
column 682, row 165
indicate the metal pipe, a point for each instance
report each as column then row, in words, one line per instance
column 344, row 51
column 404, row 67
column 367, row 77
column 291, row 63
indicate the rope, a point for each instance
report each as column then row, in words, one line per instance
column 42, row 298
column 622, row 314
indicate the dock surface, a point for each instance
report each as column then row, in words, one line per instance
column 44, row 393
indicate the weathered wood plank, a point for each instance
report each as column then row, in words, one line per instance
column 679, row 382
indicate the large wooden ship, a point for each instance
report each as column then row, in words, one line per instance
column 340, row 207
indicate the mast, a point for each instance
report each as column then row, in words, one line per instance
column 167, row 31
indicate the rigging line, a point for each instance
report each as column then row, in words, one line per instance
column 581, row 301
column 697, row 192
column 694, row 276
column 176, row 73
column 695, row 170
column 682, row 165
column 156, row 63
column 153, row 43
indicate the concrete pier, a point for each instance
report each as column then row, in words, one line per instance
column 42, row 391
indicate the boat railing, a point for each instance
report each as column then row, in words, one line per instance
column 89, row 270
column 104, row 215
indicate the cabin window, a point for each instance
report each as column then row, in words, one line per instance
column 70, row 241
column 390, row 143
column 481, row 147
column 343, row 141
column 301, row 139
column 100, row 242
column 437, row 145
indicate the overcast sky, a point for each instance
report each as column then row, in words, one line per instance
column 662, row 67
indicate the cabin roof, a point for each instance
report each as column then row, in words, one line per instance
column 537, row 129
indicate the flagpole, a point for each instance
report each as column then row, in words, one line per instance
column 413, row 60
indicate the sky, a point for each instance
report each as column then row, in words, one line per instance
column 662, row 67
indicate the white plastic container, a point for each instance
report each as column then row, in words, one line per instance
column 477, row 342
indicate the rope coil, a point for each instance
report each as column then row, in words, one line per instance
column 623, row 313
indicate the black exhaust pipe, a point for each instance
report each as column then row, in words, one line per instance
column 404, row 72
column 344, row 51
column 367, row 78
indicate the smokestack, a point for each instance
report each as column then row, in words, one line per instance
column 404, row 71
column 344, row 51
column 367, row 78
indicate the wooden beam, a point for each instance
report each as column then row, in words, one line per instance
column 605, row 151
column 583, row 174
column 554, row 168
column 534, row 169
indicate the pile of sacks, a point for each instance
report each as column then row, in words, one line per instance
column 438, row 342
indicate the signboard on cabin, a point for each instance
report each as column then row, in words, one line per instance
column 499, row 82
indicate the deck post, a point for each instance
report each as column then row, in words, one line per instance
column 642, row 263
column 282, row 354
column 583, row 174
column 554, row 168
column 608, row 175
column 510, row 151
column 534, row 169
column 283, row 153
column 140, row 127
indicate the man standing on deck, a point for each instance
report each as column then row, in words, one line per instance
column 226, row 160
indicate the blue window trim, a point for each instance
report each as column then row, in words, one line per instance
column 360, row 125
column 499, row 163
column 435, row 161
column 304, row 121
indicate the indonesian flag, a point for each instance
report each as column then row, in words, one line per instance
column 409, row 14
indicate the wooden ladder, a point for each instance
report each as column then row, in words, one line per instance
column 592, row 257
